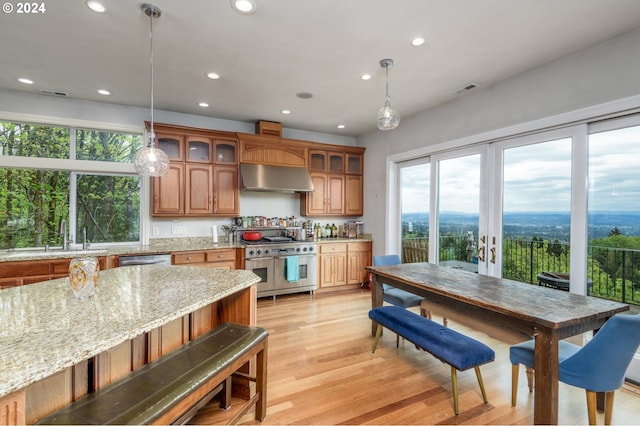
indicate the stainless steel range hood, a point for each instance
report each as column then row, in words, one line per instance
column 261, row 177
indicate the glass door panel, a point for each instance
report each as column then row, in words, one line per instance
column 536, row 213
column 613, row 251
column 414, row 182
column 458, row 207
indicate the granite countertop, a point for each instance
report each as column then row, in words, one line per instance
column 45, row 329
column 156, row 246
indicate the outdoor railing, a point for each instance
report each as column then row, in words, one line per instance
column 613, row 273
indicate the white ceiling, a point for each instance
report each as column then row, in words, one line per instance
column 290, row 46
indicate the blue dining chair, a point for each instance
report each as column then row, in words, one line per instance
column 598, row 366
column 392, row 295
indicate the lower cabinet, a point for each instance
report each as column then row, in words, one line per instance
column 342, row 264
column 24, row 272
column 221, row 258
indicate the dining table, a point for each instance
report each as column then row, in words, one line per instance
column 547, row 315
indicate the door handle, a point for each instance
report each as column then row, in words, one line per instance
column 493, row 255
column 481, row 254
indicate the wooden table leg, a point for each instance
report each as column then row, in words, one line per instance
column 545, row 410
column 376, row 299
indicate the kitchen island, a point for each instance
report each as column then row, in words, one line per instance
column 55, row 348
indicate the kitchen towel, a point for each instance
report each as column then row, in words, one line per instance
column 292, row 268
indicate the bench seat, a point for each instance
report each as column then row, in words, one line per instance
column 459, row 351
column 158, row 391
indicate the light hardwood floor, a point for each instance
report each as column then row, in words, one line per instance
column 322, row 371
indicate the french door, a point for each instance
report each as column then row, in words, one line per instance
column 459, row 200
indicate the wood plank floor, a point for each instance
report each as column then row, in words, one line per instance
column 322, row 371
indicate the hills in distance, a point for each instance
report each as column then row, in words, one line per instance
column 548, row 225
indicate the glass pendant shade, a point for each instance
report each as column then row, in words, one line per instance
column 388, row 118
column 151, row 161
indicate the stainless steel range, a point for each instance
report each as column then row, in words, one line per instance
column 285, row 266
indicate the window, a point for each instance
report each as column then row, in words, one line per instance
column 35, row 197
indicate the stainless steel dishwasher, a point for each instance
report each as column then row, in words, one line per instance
column 145, row 259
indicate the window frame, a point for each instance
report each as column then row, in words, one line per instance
column 93, row 167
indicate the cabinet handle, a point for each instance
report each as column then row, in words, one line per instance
column 188, row 257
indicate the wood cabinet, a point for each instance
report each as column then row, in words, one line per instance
column 358, row 257
column 272, row 150
column 23, row 272
column 337, row 180
column 342, row 263
column 333, row 265
column 221, row 258
column 203, row 177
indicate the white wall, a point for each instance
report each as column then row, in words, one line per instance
column 595, row 76
column 32, row 107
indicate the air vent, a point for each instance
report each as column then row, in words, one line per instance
column 466, row 88
column 54, row 93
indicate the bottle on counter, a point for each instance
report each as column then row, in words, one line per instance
column 334, row 231
column 326, row 233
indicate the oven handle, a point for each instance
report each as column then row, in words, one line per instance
column 258, row 259
column 299, row 255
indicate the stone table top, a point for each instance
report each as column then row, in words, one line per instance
column 45, row 329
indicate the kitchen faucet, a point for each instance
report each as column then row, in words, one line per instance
column 63, row 232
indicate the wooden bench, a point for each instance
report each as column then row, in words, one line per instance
column 172, row 388
column 459, row 351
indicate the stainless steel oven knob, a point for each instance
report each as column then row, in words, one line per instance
column 266, row 251
column 310, row 248
column 298, row 249
column 304, row 249
column 258, row 252
column 251, row 252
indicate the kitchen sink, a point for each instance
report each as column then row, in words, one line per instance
column 52, row 253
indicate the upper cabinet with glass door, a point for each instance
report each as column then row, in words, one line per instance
column 326, row 161
column 225, row 151
column 199, row 149
column 171, row 144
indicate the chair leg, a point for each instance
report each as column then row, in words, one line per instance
column 481, row 383
column 591, row 407
column 375, row 341
column 454, row 383
column 425, row 313
column 608, row 407
column 397, row 340
column 530, row 378
column 445, row 322
column 515, row 370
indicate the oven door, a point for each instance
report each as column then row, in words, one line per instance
column 262, row 267
column 307, row 268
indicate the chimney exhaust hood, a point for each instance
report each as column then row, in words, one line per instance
column 268, row 178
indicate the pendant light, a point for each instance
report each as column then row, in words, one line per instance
column 388, row 118
column 151, row 161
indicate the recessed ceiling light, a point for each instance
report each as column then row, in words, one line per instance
column 418, row 41
column 24, row 80
column 341, row 126
column 213, row 75
column 104, row 92
column 365, row 77
column 96, row 6
column 285, row 111
column 203, row 104
column 244, row 7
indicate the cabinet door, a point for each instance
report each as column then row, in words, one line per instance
column 336, row 162
column 316, row 200
column 225, row 190
column 327, row 262
column 353, row 200
column 198, row 190
column 340, row 269
column 353, row 164
column 225, row 152
column 317, row 161
column 172, row 145
column 335, row 189
column 168, row 192
column 198, row 149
